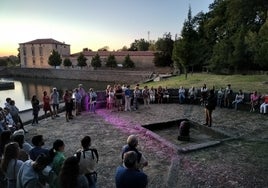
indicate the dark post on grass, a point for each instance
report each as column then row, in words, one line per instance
column 184, row 131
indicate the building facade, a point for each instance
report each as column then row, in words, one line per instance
column 35, row 54
column 141, row 59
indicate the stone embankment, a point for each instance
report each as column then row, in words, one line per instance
column 120, row 76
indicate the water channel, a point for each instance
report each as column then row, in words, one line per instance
column 25, row 88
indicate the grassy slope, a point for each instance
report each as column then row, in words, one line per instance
column 247, row 83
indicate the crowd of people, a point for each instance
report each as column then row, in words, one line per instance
column 31, row 165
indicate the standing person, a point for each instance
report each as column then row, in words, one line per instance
column 84, row 101
column 67, row 97
column 78, row 100
column 88, row 158
column 127, row 98
column 128, row 175
column 152, row 95
column 28, row 175
column 56, row 154
column 46, row 105
column 132, row 143
column 92, row 100
column 70, row 177
column 107, row 90
column 55, row 100
column 181, row 95
column 111, row 99
column 160, row 94
column 220, row 96
column 136, row 95
column 10, row 163
column 119, row 97
column 146, row 96
column 209, row 107
column 228, row 94
column 14, row 111
column 36, row 108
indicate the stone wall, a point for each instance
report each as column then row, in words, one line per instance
column 121, row 76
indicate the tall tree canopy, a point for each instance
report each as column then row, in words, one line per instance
column 54, row 59
column 232, row 36
column 81, row 60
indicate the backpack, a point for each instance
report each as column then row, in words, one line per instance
column 94, row 153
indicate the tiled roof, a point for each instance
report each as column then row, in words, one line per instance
column 44, row 41
column 116, row 53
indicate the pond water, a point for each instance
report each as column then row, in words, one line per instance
column 25, row 88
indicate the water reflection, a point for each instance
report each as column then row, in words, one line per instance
column 25, row 88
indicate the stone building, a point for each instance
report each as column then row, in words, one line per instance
column 35, row 54
column 141, row 59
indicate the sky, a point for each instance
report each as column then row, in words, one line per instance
column 92, row 24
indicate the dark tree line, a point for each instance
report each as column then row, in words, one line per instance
column 231, row 37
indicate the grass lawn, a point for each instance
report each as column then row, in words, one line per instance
column 247, row 83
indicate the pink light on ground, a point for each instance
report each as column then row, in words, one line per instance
column 149, row 139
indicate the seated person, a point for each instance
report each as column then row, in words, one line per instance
column 192, row 94
column 128, row 175
column 239, row 98
column 264, row 105
column 220, row 96
column 184, row 131
column 254, row 101
column 166, row 95
column 204, row 94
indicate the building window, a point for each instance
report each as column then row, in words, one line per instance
column 33, row 52
column 41, row 51
column 24, row 50
column 25, row 60
column 34, row 61
column 41, row 60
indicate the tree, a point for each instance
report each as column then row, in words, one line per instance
column 165, row 46
column 82, row 60
column 128, row 63
column 111, row 61
column 139, row 45
column 105, row 48
column 3, row 62
column 54, row 59
column 67, row 62
column 185, row 48
column 96, row 61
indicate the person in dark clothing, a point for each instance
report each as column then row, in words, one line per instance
column 128, row 175
column 209, row 107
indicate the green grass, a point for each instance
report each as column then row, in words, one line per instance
column 247, row 83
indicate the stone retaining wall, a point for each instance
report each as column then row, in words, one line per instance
column 121, row 76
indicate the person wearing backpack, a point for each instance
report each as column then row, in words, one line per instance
column 88, row 159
